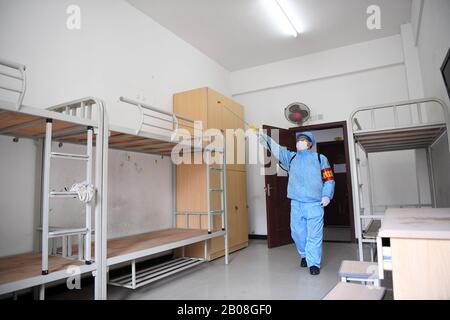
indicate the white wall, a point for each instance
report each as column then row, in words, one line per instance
column 433, row 42
column 19, row 194
column 139, row 193
column 322, row 65
column 364, row 74
column 394, row 179
column 118, row 51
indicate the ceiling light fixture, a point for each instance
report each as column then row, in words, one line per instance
column 293, row 31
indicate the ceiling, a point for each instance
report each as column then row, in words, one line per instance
column 239, row 34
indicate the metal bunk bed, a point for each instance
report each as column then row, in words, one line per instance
column 420, row 134
column 154, row 136
column 19, row 121
column 74, row 122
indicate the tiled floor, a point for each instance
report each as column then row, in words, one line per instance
column 253, row 273
column 337, row 234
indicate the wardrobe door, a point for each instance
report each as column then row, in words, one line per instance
column 237, row 210
column 241, row 208
column 211, row 107
column 215, row 110
column 192, row 104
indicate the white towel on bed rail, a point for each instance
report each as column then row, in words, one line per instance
column 84, row 190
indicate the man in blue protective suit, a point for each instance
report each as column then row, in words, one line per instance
column 310, row 188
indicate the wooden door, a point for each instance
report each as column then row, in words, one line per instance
column 337, row 212
column 232, row 213
column 215, row 110
column 237, row 217
column 239, row 140
column 241, row 207
column 191, row 188
column 237, row 208
column 278, row 206
column 232, row 114
column 192, row 104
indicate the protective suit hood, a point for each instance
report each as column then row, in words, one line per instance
column 307, row 134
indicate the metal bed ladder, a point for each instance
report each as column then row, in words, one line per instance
column 47, row 194
column 363, row 213
column 370, row 228
column 212, row 212
column 221, row 168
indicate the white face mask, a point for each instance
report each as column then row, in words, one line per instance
column 302, row 145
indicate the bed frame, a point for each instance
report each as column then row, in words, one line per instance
column 419, row 134
column 21, row 121
column 74, row 122
column 155, row 137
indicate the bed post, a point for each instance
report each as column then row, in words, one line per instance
column 174, row 196
column 358, row 205
column 46, row 194
column 208, row 185
column 225, row 219
column 369, row 184
column 42, row 292
column 356, row 190
column 101, row 204
column 431, row 175
column 88, row 242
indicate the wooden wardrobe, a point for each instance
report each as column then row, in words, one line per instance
column 206, row 105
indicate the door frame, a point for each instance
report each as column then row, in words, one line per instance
column 272, row 239
column 343, row 126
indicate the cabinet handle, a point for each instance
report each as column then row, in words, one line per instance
column 236, row 208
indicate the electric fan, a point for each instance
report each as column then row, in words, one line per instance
column 297, row 113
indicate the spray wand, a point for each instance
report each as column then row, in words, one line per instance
column 249, row 125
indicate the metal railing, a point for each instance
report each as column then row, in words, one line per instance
column 395, row 112
column 83, row 108
column 21, row 77
column 174, row 121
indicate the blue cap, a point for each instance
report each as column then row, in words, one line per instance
column 307, row 134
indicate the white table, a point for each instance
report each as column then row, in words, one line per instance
column 415, row 244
